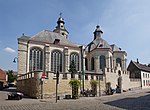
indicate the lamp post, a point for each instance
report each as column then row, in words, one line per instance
column 14, row 61
column 82, row 67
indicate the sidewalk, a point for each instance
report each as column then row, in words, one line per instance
column 103, row 97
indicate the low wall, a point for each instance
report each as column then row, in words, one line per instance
column 49, row 86
column 112, row 76
column 135, row 83
column 29, row 84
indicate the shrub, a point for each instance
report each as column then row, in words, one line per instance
column 75, row 84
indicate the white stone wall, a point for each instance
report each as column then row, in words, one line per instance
column 112, row 76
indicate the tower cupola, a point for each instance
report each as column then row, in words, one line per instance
column 60, row 28
column 97, row 32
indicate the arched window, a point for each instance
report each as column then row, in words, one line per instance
column 86, row 64
column 56, row 61
column 36, row 59
column 118, row 61
column 102, row 62
column 75, row 57
column 92, row 63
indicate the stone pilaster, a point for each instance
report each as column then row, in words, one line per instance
column 97, row 64
column 124, row 64
column 46, row 58
column 22, row 56
column 37, row 83
column 107, row 62
column 66, row 55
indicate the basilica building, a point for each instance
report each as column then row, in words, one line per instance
column 51, row 51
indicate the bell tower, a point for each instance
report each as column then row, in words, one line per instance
column 60, row 28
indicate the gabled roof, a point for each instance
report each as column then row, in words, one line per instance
column 142, row 67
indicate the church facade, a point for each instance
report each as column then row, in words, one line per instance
column 50, row 51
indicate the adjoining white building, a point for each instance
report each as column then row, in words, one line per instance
column 51, row 51
column 140, row 72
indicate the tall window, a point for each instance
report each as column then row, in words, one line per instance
column 92, row 63
column 36, row 59
column 86, row 64
column 118, row 61
column 56, row 61
column 75, row 57
column 102, row 62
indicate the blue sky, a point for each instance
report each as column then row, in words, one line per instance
column 124, row 22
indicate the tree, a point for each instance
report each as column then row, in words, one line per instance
column 11, row 76
column 72, row 69
column 75, row 88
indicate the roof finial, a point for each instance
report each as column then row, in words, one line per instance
column 60, row 14
column 137, row 60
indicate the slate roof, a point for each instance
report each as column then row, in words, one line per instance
column 115, row 48
column 142, row 67
column 97, row 43
column 49, row 37
column 24, row 37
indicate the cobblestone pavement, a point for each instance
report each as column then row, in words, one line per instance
column 133, row 100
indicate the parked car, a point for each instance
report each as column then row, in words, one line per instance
column 6, row 86
column 15, row 96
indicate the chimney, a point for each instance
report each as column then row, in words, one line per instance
column 137, row 60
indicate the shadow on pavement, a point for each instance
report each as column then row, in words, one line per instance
column 137, row 103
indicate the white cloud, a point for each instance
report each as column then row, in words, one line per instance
column 9, row 50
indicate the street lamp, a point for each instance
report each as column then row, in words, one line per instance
column 15, row 60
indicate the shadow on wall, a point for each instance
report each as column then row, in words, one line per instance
column 137, row 103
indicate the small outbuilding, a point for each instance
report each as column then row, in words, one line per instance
column 140, row 72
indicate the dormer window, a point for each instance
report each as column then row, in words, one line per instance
column 56, row 41
column 101, row 45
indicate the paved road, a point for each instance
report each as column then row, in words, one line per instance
column 133, row 100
